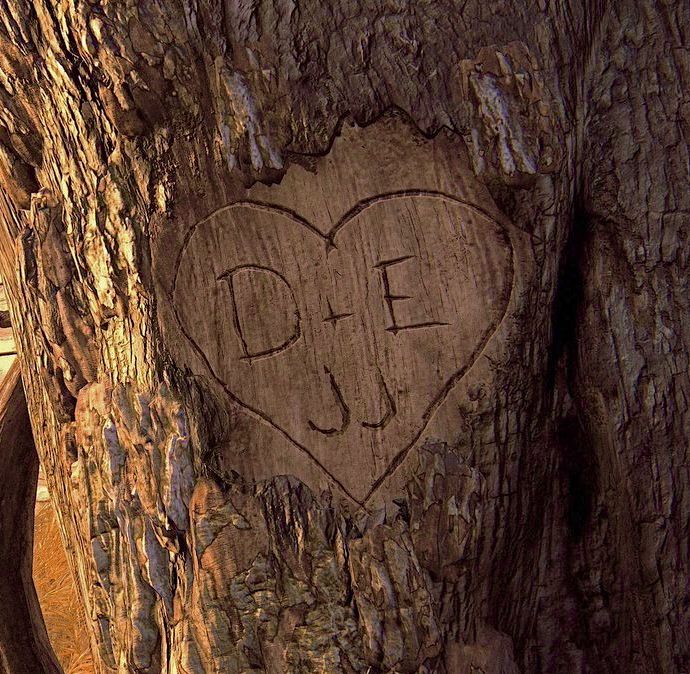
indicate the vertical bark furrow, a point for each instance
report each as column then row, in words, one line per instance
column 633, row 334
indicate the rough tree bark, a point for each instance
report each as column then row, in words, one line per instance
column 354, row 333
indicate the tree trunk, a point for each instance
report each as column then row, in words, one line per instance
column 354, row 334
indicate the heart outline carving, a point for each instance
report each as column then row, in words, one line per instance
column 329, row 240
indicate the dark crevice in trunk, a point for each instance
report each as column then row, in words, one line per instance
column 578, row 460
column 567, row 301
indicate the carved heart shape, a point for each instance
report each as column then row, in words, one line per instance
column 344, row 341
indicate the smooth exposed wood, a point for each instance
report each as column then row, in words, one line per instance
column 340, row 310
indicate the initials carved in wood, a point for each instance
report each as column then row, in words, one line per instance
column 344, row 340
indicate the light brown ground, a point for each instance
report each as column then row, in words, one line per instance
column 57, row 594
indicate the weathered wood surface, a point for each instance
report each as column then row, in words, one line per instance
column 525, row 508
column 24, row 647
column 370, row 286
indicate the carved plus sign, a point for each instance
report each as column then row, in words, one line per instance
column 332, row 317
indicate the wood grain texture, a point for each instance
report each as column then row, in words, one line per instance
column 345, row 337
